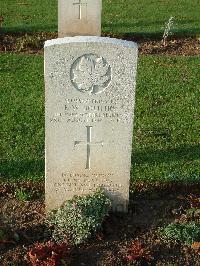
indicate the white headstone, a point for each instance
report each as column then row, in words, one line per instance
column 79, row 17
column 90, row 95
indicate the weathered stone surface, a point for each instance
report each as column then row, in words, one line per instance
column 90, row 95
column 79, row 17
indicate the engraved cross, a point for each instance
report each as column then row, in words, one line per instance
column 89, row 143
column 80, row 4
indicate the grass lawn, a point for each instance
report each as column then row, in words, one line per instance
column 119, row 16
column 166, row 125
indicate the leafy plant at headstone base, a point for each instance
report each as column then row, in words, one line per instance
column 137, row 252
column 187, row 233
column 167, row 30
column 79, row 217
column 49, row 254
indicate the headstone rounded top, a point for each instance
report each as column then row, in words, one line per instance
column 95, row 39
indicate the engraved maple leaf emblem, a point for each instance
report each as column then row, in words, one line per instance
column 91, row 74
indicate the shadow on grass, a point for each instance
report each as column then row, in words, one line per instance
column 132, row 35
column 34, row 168
column 21, row 169
column 28, row 29
column 176, row 34
column 186, row 152
column 140, row 23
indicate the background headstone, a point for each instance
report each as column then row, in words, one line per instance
column 90, row 95
column 79, row 17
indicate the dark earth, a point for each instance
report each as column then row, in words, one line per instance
column 33, row 43
column 150, row 208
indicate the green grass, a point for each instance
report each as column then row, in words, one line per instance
column 166, row 142
column 119, row 16
column 29, row 15
column 166, row 135
column 149, row 17
column 22, row 105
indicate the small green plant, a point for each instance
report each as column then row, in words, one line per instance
column 22, row 195
column 167, row 30
column 78, row 218
column 186, row 233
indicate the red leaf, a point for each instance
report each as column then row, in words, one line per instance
column 137, row 252
column 48, row 254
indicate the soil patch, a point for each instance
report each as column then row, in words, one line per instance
column 150, row 207
column 33, row 44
